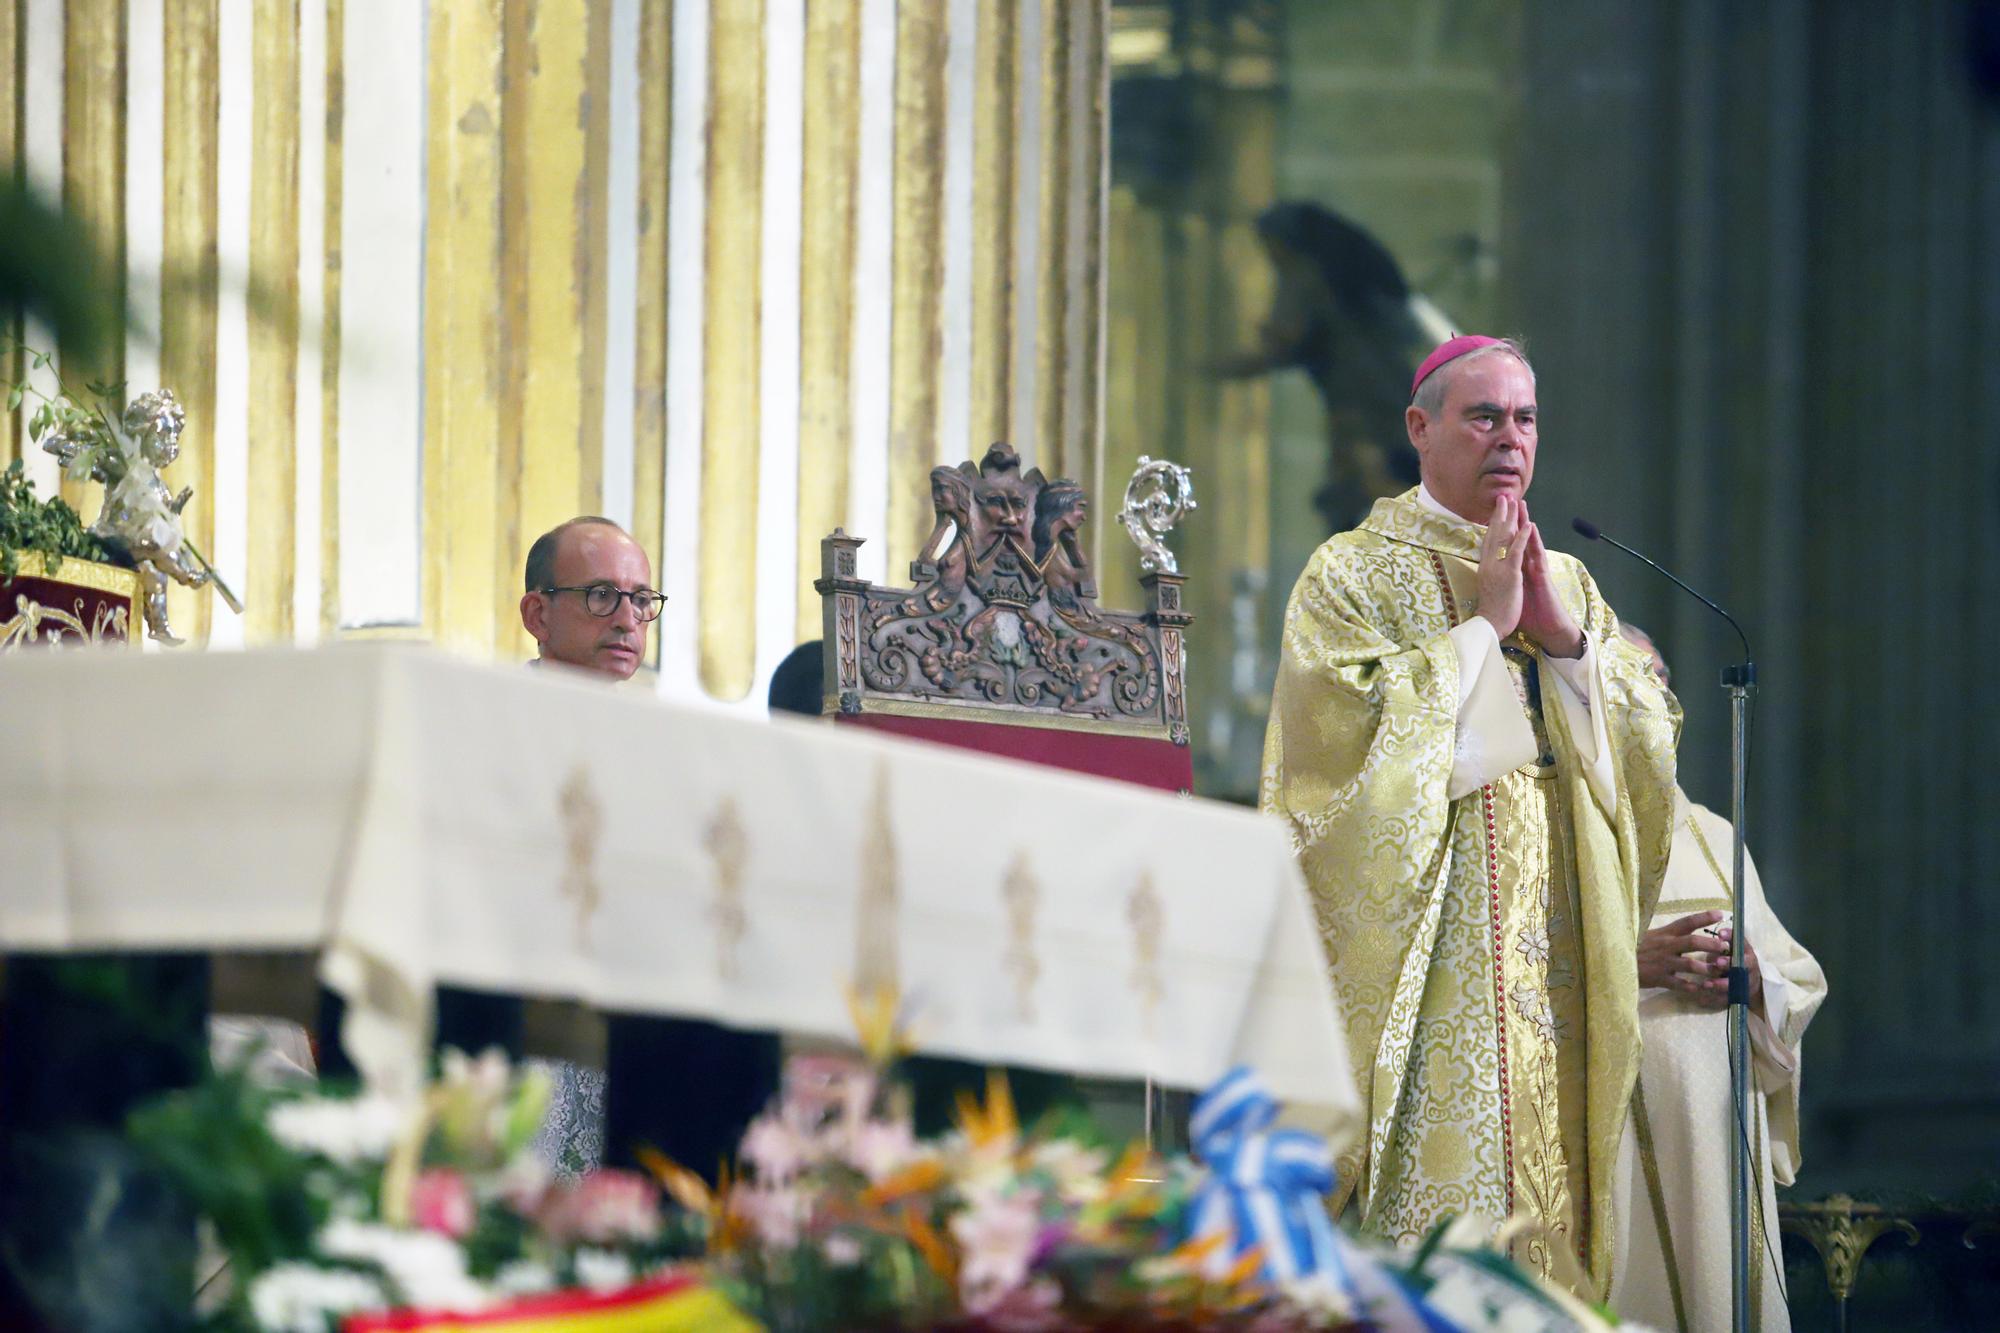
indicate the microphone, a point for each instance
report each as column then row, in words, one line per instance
column 1591, row 532
column 1739, row 680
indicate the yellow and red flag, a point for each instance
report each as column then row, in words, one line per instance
column 676, row 1304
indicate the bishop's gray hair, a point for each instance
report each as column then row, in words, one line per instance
column 1430, row 394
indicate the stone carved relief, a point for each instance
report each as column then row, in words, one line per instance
column 1003, row 612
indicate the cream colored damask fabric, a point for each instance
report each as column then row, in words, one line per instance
column 422, row 820
column 1675, row 1165
column 1482, row 947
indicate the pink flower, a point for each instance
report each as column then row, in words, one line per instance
column 777, row 1216
column 603, row 1208
column 820, row 1088
column 841, row 1249
column 997, row 1237
column 441, row 1201
column 776, row 1149
column 880, row 1148
column 524, row 1184
column 1025, row 1309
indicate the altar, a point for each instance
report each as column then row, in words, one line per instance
column 418, row 821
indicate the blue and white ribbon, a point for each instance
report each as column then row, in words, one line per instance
column 1267, row 1189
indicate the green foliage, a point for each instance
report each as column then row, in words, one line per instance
column 212, row 1144
column 49, row 528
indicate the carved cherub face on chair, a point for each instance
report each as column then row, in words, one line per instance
column 1003, row 501
column 1060, row 510
column 1003, row 509
column 951, row 493
column 951, row 505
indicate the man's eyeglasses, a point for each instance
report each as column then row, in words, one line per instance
column 601, row 599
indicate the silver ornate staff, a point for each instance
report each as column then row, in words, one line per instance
column 1159, row 493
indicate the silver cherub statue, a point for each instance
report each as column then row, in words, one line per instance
column 1159, row 493
column 141, row 516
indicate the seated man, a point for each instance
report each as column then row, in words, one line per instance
column 1674, row 1165
column 683, row 1086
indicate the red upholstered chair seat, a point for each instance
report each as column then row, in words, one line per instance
column 1145, row 760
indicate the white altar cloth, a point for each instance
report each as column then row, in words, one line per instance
column 422, row 820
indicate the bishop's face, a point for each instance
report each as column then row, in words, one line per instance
column 1481, row 443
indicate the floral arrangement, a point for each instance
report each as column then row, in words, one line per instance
column 328, row 1206
column 355, row 1214
column 841, row 1218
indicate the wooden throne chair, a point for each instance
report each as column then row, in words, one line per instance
column 1000, row 646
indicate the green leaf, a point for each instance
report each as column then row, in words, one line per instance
column 14, row 398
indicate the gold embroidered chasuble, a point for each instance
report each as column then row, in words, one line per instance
column 1483, row 948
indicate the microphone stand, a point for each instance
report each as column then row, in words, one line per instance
column 1740, row 681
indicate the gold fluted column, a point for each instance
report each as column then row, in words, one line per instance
column 732, row 344
column 649, row 371
column 12, row 95
column 590, row 241
column 832, row 151
column 915, row 337
column 556, row 127
column 93, row 174
column 1051, row 444
column 1188, row 286
column 329, row 350
column 1135, row 389
column 996, row 125
column 463, row 306
column 274, row 322
column 1240, row 445
column 1085, row 414
column 188, row 251
column 510, row 537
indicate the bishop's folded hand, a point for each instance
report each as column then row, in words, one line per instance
column 1501, row 555
column 1544, row 618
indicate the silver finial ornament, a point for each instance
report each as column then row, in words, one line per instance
column 1159, row 493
